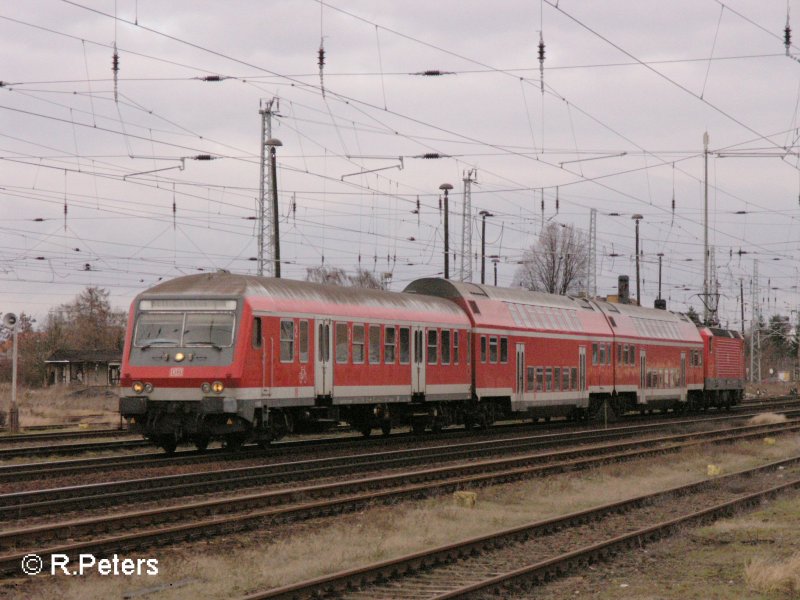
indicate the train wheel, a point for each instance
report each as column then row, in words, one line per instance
column 201, row 443
column 418, row 427
column 169, row 445
column 366, row 430
column 234, row 442
column 386, row 427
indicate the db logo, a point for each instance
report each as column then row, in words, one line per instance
column 176, row 372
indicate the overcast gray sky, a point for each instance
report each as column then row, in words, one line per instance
column 643, row 78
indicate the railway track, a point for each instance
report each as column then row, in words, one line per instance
column 138, row 529
column 50, row 436
column 29, row 471
column 191, row 456
column 514, row 560
column 27, row 504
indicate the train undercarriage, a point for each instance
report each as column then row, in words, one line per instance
column 170, row 423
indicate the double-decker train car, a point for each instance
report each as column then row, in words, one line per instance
column 547, row 354
column 245, row 358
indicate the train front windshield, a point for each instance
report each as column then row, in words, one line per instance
column 180, row 329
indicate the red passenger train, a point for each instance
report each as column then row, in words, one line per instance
column 245, row 358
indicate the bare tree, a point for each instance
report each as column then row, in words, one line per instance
column 329, row 275
column 336, row 276
column 556, row 263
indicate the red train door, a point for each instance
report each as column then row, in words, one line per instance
column 582, row 372
column 642, row 377
column 418, row 360
column 683, row 377
column 519, row 395
column 323, row 365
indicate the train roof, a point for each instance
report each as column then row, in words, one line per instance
column 490, row 306
column 267, row 293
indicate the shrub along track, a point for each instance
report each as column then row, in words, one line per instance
column 166, row 525
column 515, row 560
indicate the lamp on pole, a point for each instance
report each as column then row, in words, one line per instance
column 637, row 217
column 446, row 187
column 483, row 214
column 276, row 245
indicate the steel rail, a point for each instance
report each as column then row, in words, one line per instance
column 347, row 496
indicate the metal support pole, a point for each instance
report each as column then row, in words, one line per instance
column 483, row 214
column 13, row 409
column 637, row 217
column 273, row 143
column 706, row 315
column 446, row 187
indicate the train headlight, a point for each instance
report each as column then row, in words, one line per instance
column 206, row 387
column 179, row 356
column 137, row 387
column 148, row 388
column 217, row 387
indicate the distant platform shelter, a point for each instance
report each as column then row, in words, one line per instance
column 87, row 369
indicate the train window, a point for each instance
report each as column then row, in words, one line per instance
column 633, row 355
column 212, row 329
column 389, row 341
column 455, row 347
column 358, row 344
column 548, row 378
column 374, row 344
column 257, row 335
column 474, row 306
column 492, row 349
column 556, row 378
column 342, row 346
column 503, row 350
column 619, row 354
column 564, row 379
column 609, row 355
column 433, row 346
column 539, row 379
column 594, row 354
column 531, row 376
column 287, row 340
column 303, row 341
column 445, row 346
column 405, row 344
column 601, row 358
column 483, row 348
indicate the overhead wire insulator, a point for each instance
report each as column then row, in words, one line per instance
column 433, row 73
column 787, row 34
column 115, row 69
column 541, row 61
column 321, row 63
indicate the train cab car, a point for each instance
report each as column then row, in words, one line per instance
column 237, row 358
column 655, row 358
column 722, row 361
column 538, row 354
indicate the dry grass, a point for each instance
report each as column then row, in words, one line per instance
column 57, row 405
column 769, row 575
column 227, row 567
column 767, row 419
